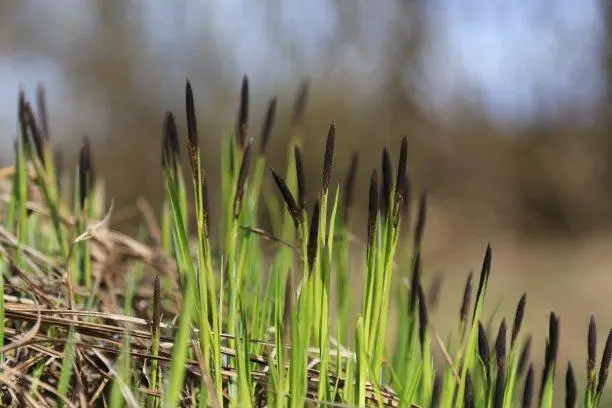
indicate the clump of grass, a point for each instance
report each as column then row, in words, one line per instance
column 236, row 327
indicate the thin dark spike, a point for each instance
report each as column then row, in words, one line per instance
column 415, row 282
column 551, row 350
column 372, row 208
column 434, row 291
column 591, row 351
column 313, row 237
column 421, row 219
column 301, row 178
column 171, row 150
column 242, row 176
column 299, row 106
column 192, row 128
column 21, row 110
column 34, row 132
column 401, row 172
column 387, row 182
column 465, row 304
column 518, row 319
column 86, row 174
column 484, row 276
column 483, row 350
column 500, row 344
column 156, row 304
column 41, row 102
column 329, row 157
column 349, row 188
column 266, row 130
column 524, row 358
column 570, row 387
column 287, row 196
column 423, row 316
column 500, row 387
column 437, row 391
column 243, row 113
column 528, row 388
column 468, row 396
column 605, row 365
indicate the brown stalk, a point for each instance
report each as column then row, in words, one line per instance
column 266, row 130
column 243, row 114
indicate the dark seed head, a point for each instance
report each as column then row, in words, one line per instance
column 156, row 304
column 423, row 317
column 483, row 347
column 500, row 387
column 301, row 178
column 484, row 276
column 170, row 148
column 287, row 196
column 570, row 387
column 192, row 129
column 500, row 346
column 86, row 174
column 553, row 341
column 41, row 102
column 605, row 365
column 415, row 282
column 313, row 237
column 21, row 110
column 243, row 113
column 242, row 176
column 349, row 188
column 401, row 172
column 266, row 130
column 434, row 291
column 528, row 388
column 387, row 182
column 299, row 106
column 468, row 396
column 467, row 296
column 524, row 358
column 372, row 208
column 518, row 319
column 592, row 346
column 421, row 219
column 34, row 132
column 329, row 157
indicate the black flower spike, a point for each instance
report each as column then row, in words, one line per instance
column 434, row 291
column 156, row 304
column 21, row 110
column 415, row 282
column 570, row 387
column 242, row 176
column 349, row 188
column 518, row 319
column 423, row 316
column 287, row 196
column 484, row 276
column 86, row 173
column 605, row 365
column 192, row 128
column 465, row 303
column 468, row 396
column 299, row 105
column 313, row 237
column 35, row 132
column 483, row 349
column 387, row 182
column 500, row 346
column 329, row 157
column 528, row 388
column 500, row 387
column 550, row 353
column 591, row 351
column 41, row 102
column 170, row 149
column 301, row 178
column 243, row 113
column 524, row 357
column 437, row 391
column 266, row 130
column 421, row 219
column 372, row 208
column 401, row 172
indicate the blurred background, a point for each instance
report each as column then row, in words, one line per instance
column 506, row 104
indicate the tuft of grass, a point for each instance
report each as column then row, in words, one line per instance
column 95, row 318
